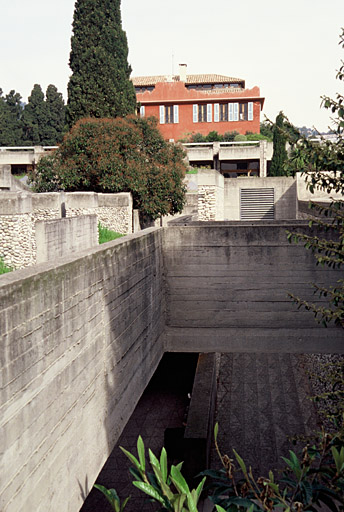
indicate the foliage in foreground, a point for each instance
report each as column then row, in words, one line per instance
column 322, row 165
column 106, row 235
column 314, row 478
column 118, row 155
column 4, row 269
column 167, row 488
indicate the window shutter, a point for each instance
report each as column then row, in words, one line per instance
column 209, row 113
column 230, row 112
column 195, row 113
column 162, row 114
column 216, row 112
column 236, row 111
column 250, row 110
column 175, row 113
column 142, row 111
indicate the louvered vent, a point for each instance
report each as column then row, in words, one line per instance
column 257, row 204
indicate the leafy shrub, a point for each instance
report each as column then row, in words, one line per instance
column 118, row 155
column 314, row 478
column 256, row 136
column 106, row 235
column 169, row 489
column 240, row 138
column 230, row 136
column 214, row 137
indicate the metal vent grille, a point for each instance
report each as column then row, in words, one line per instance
column 257, row 204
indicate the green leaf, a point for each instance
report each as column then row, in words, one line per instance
column 200, row 488
column 178, row 480
column 241, row 462
column 220, row 509
column 148, row 489
column 163, row 464
column 191, row 503
column 111, row 495
column 153, row 459
column 131, row 457
column 141, row 452
column 216, row 431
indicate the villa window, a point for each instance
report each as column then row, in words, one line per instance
column 169, row 114
column 202, row 113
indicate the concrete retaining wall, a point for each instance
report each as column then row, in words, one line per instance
column 79, row 345
column 284, row 193
column 81, row 339
column 227, row 285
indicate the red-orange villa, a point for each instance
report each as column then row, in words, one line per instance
column 186, row 104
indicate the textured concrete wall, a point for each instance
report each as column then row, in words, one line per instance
column 79, row 345
column 227, row 285
column 57, row 238
column 284, row 190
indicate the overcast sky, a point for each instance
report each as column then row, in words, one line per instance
column 288, row 48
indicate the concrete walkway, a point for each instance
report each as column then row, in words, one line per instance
column 262, row 399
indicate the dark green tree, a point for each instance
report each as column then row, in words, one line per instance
column 118, row 155
column 10, row 119
column 54, row 128
column 34, row 117
column 100, row 85
column 280, row 156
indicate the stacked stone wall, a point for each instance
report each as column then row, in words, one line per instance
column 20, row 212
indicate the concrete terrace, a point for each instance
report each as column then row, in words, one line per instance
column 83, row 335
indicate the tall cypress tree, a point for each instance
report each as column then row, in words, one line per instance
column 11, row 111
column 34, row 117
column 99, row 85
column 53, row 130
column 280, row 156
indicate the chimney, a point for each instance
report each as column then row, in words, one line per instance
column 182, row 72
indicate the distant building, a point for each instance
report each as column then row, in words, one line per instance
column 185, row 104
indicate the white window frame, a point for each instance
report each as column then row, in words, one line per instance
column 209, row 112
column 195, row 113
column 162, row 114
column 142, row 111
column 250, row 111
column 236, row 111
column 230, row 111
column 216, row 112
column 176, row 113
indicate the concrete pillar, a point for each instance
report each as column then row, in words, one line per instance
column 263, row 159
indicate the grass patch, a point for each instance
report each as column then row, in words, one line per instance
column 4, row 269
column 106, row 235
column 192, row 171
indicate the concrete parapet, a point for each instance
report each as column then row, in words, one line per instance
column 5, row 177
column 57, row 238
column 13, row 203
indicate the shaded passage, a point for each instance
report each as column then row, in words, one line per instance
column 163, row 405
column 262, row 401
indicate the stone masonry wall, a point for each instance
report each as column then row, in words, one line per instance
column 80, row 342
column 20, row 212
